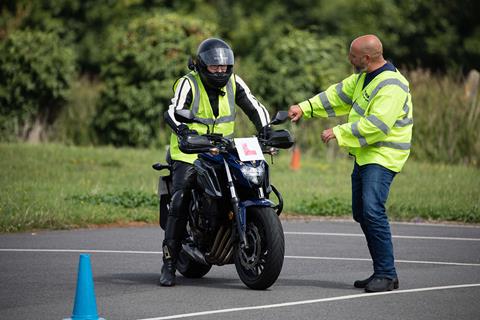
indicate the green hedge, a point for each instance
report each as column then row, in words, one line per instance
column 150, row 55
column 36, row 74
column 297, row 65
column 445, row 122
column 294, row 67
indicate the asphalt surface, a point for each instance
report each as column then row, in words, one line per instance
column 438, row 267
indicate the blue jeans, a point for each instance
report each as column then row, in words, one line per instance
column 370, row 188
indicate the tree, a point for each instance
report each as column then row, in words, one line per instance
column 36, row 74
column 296, row 66
column 150, row 54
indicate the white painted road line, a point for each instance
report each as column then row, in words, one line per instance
column 394, row 236
column 286, row 257
column 79, row 251
column 295, row 303
column 396, row 260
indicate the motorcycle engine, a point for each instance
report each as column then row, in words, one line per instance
column 209, row 213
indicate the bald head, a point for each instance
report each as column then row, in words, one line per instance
column 366, row 53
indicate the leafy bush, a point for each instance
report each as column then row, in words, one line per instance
column 150, row 55
column 36, row 74
column 294, row 67
column 73, row 125
column 81, row 24
column 298, row 65
column 445, row 122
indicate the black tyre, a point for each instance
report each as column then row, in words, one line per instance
column 190, row 268
column 164, row 207
column 260, row 265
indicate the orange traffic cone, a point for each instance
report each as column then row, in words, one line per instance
column 295, row 161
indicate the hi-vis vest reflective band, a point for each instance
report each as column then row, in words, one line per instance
column 202, row 110
column 380, row 117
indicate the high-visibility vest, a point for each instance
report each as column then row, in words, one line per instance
column 202, row 110
column 380, row 117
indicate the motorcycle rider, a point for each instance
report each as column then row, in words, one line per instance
column 210, row 91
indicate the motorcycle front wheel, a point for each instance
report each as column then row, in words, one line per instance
column 259, row 265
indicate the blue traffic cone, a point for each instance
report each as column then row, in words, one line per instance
column 85, row 307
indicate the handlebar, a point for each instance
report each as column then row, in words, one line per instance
column 215, row 143
column 159, row 166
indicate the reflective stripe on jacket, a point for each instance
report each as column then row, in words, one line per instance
column 200, row 106
column 380, row 117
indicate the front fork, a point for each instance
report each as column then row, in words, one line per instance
column 240, row 209
column 239, row 213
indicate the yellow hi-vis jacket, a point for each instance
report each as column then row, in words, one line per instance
column 202, row 110
column 380, row 117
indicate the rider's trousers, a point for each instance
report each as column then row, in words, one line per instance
column 183, row 180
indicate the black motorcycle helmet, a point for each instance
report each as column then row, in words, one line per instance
column 214, row 51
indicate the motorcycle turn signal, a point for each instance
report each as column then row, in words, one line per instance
column 214, row 151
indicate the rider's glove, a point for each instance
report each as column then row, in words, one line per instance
column 184, row 131
column 265, row 132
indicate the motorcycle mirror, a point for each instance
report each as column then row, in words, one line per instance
column 280, row 117
column 185, row 116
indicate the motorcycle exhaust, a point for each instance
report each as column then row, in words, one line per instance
column 226, row 252
column 217, row 240
column 222, row 249
column 194, row 253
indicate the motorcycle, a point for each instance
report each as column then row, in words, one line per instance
column 231, row 218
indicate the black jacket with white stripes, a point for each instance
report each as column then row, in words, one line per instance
column 182, row 99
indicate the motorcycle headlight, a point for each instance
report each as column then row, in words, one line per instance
column 253, row 174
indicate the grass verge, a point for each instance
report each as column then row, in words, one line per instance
column 60, row 187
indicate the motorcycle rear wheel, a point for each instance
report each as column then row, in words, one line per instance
column 260, row 265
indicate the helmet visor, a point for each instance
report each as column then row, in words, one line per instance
column 217, row 56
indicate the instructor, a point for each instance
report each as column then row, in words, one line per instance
column 378, row 135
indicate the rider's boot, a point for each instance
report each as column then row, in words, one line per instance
column 170, row 254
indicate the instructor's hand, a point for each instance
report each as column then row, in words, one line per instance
column 295, row 113
column 328, row 135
